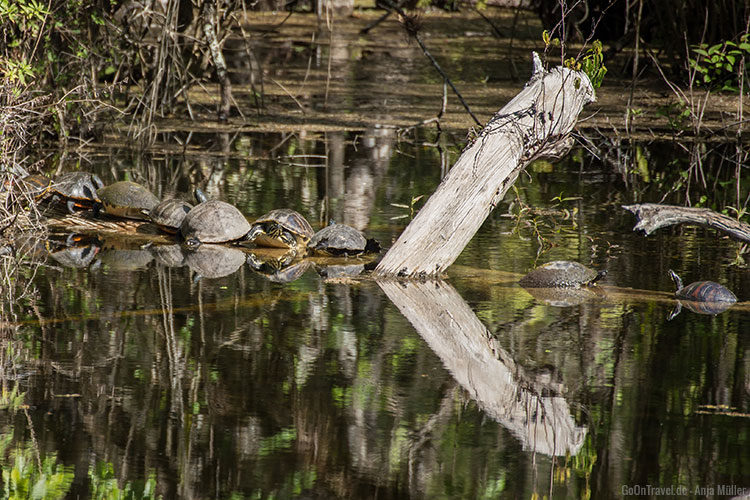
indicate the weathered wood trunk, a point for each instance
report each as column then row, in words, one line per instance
column 537, row 122
column 652, row 216
column 532, row 408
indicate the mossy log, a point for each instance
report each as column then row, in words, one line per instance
column 536, row 123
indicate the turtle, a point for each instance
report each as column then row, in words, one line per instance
column 341, row 240
column 561, row 274
column 213, row 221
column 702, row 291
column 169, row 214
column 281, row 228
column 77, row 189
column 126, row 199
column 36, row 186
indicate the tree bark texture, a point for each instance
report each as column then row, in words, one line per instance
column 210, row 30
column 653, row 216
column 532, row 408
column 537, row 122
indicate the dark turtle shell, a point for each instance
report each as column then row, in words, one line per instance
column 127, row 199
column 169, row 214
column 561, row 274
column 78, row 189
column 281, row 228
column 340, row 239
column 36, row 186
column 702, row 291
column 213, row 221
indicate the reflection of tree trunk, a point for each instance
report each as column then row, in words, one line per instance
column 541, row 422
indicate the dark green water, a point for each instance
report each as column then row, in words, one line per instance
column 137, row 375
column 152, row 374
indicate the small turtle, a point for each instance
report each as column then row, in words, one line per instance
column 702, row 291
column 213, row 221
column 561, row 274
column 126, row 199
column 77, row 189
column 281, row 228
column 169, row 214
column 341, row 240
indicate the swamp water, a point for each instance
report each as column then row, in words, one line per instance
column 151, row 372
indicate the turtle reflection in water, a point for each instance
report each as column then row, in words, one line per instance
column 702, row 297
column 561, row 274
column 168, row 255
column 278, row 269
column 77, row 250
column 565, row 297
column 214, row 261
column 122, row 255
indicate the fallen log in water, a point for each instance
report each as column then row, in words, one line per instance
column 652, row 216
column 536, row 123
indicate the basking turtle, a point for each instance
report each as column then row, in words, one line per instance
column 36, row 186
column 213, row 221
column 127, row 199
column 702, row 291
column 561, row 274
column 169, row 214
column 281, row 228
column 77, row 189
column 341, row 240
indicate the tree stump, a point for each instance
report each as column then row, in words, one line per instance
column 536, row 123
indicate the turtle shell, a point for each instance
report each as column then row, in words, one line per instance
column 127, row 199
column 79, row 189
column 705, row 291
column 36, row 186
column 281, row 228
column 561, row 274
column 213, row 221
column 338, row 239
column 169, row 214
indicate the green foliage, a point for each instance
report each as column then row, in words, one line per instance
column 104, row 485
column 677, row 114
column 590, row 62
column 719, row 65
column 23, row 476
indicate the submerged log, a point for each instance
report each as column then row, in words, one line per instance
column 531, row 407
column 652, row 216
column 536, row 123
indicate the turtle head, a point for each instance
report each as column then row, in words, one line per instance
column 676, row 279
column 199, row 195
column 192, row 243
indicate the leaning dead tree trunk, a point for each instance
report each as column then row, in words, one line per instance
column 210, row 29
column 537, row 122
column 652, row 216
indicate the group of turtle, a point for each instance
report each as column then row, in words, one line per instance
column 208, row 221
column 707, row 297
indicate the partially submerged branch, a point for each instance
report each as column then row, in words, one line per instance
column 653, row 216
